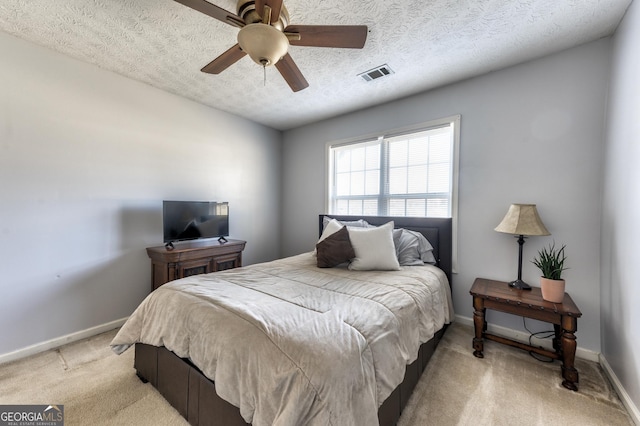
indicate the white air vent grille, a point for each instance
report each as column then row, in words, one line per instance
column 381, row 71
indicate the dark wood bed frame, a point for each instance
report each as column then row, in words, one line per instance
column 184, row 386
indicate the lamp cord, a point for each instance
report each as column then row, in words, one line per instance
column 538, row 335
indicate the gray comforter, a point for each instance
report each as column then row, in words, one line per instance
column 292, row 344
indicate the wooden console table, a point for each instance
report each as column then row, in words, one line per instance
column 497, row 295
column 192, row 258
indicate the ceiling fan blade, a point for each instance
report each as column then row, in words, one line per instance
column 291, row 73
column 224, row 61
column 214, row 11
column 343, row 36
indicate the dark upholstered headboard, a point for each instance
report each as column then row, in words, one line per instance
column 437, row 230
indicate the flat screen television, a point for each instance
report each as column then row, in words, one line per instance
column 190, row 220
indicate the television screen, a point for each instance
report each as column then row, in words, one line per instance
column 188, row 220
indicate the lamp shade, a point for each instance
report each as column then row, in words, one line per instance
column 522, row 219
column 263, row 43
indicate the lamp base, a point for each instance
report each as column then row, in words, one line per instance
column 520, row 285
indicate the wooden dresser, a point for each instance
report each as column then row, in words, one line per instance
column 193, row 258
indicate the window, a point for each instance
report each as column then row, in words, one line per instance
column 412, row 172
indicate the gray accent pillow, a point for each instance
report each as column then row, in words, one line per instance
column 412, row 249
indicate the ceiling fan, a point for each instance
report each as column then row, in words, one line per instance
column 265, row 35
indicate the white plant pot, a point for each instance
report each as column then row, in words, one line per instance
column 552, row 290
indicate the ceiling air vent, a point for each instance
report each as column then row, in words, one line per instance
column 381, row 71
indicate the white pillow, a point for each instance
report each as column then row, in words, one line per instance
column 374, row 248
column 330, row 228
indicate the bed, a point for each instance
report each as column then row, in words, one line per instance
column 349, row 352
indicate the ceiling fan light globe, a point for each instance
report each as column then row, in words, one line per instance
column 264, row 44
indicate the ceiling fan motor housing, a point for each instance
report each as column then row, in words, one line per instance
column 247, row 11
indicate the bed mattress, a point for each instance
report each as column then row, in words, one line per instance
column 289, row 343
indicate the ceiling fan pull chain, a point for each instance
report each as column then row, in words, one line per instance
column 264, row 70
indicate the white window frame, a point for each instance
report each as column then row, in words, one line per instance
column 451, row 120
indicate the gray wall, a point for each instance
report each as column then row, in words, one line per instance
column 621, row 210
column 86, row 158
column 530, row 134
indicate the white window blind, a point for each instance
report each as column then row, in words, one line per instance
column 404, row 174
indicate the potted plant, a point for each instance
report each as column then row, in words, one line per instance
column 551, row 262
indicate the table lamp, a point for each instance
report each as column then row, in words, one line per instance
column 522, row 220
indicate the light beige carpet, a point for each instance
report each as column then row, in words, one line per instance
column 507, row 387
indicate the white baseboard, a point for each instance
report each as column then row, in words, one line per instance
column 523, row 336
column 622, row 393
column 60, row 341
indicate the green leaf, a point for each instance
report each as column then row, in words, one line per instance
column 551, row 261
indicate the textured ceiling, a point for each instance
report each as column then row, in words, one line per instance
column 426, row 43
